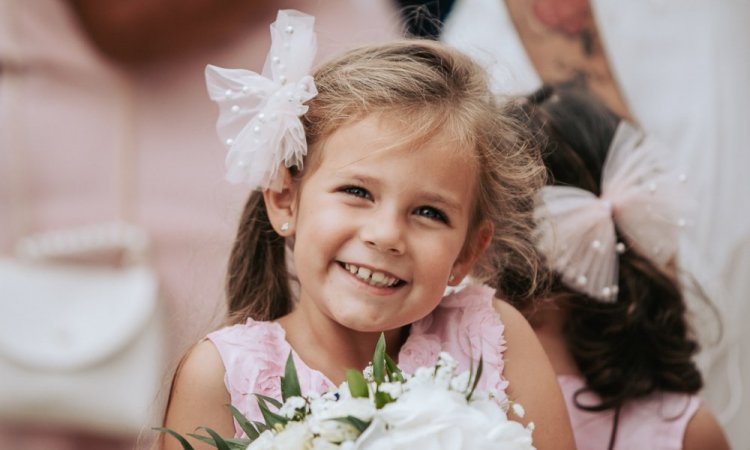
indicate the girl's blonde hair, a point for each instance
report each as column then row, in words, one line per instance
column 428, row 89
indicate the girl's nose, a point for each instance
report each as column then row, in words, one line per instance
column 384, row 233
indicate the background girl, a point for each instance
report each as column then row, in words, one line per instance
column 400, row 174
column 614, row 324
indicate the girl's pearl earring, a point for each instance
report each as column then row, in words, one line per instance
column 452, row 278
column 285, row 227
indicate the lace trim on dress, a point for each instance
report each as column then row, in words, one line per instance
column 467, row 326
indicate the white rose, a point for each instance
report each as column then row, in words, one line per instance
column 323, row 413
column 431, row 418
column 513, row 435
column 322, row 444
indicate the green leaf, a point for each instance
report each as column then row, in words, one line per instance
column 276, row 404
column 471, row 369
column 357, row 423
column 232, row 444
column 357, row 383
column 394, row 372
column 378, row 360
column 207, row 439
column 219, row 441
column 382, row 399
column 185, row 444
column 261, row 426
column 476, row 378
column 238, row 444
column 270, row 417
column 290, row 382
column 245, row 424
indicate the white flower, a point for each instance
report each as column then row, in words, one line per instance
column 367, row 373
column 334, row 431
column 461, row 382
column 423, row 375
column 290, row 407
column 264, row 442
column 513, row 435
column 294, row 436
column 447, row 361
column 392, row 389
column 323, row 413
column 361, row 408
column 432, row 418
column 319, row 443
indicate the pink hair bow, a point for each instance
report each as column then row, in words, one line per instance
column 640, row 197
column 259, row 115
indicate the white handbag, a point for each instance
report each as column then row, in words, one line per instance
column 81, row 345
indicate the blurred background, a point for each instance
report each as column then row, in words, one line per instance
column 104, row 117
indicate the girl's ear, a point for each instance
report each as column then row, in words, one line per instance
column 281, row 206
column 475, row 246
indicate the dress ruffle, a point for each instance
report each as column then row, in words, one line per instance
column 467, row 326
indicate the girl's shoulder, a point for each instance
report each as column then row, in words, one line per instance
column 704, row 431
column 198, row 395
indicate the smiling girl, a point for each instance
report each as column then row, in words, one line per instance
column 400, row 173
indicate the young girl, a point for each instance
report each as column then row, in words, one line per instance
column 614, row 323
column 400, row 173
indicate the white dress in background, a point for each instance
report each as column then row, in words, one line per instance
column 684, row 70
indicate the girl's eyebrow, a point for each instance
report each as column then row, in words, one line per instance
column 358, row 177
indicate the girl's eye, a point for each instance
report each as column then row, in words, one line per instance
column 356, row 191
column 431, row 213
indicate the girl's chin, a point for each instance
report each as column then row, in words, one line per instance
column 360, row 325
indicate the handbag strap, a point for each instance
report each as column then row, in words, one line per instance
column 120, row 234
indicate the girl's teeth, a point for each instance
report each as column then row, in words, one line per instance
column 374, row 278
column 364, row 273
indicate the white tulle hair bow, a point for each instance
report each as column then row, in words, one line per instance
column 259, row 115
column 644, row 200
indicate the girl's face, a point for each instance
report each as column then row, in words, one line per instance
column 379, row 227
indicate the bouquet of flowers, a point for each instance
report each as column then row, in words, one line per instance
column 382, row 408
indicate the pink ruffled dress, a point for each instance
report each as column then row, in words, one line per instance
column 656, row 422
column 465, row 324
